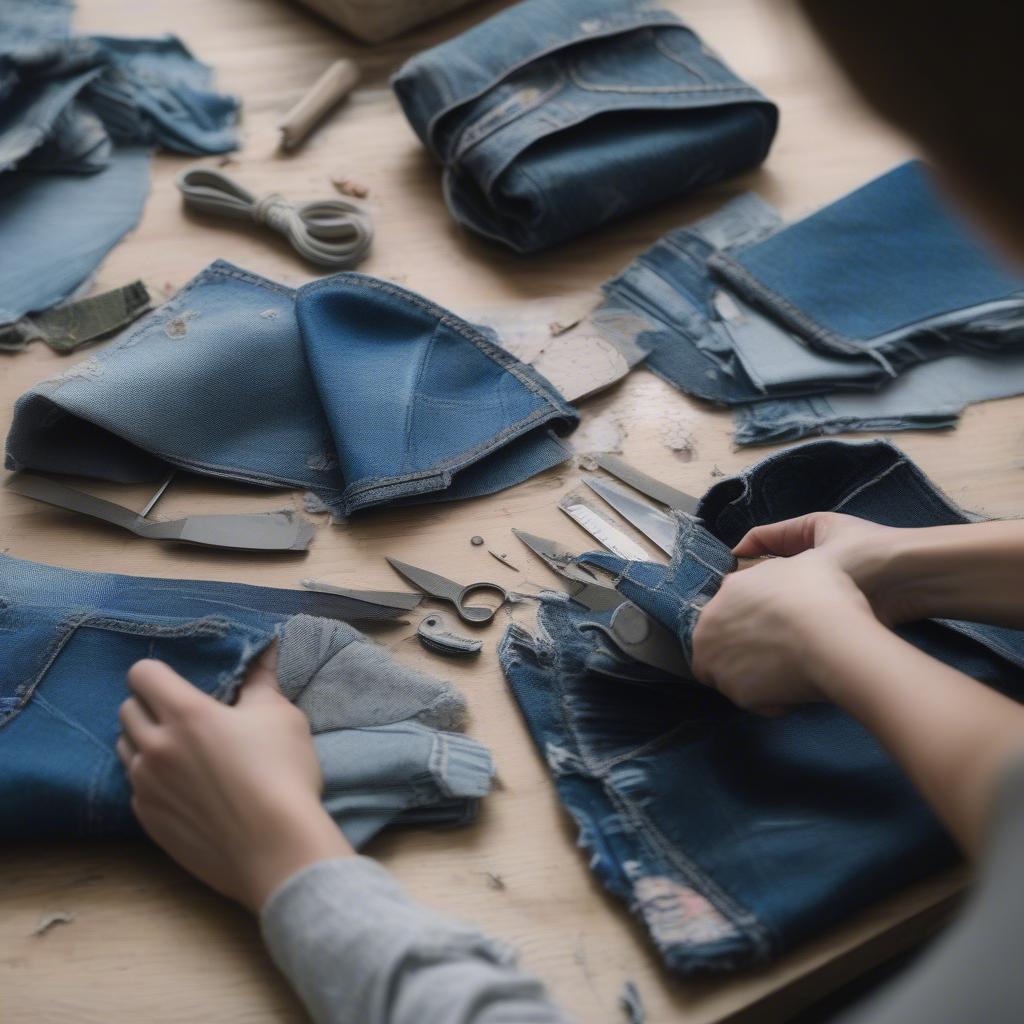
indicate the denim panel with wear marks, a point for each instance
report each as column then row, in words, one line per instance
column 556, row 116
column 352, row 388
column 387, row 751
column 735, row 837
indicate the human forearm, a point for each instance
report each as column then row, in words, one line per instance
column 973, row 572
column 952, row 735
column 359, row 952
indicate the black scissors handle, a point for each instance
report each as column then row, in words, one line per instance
column 477, row 613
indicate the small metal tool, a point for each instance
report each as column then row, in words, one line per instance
column 448, row 590
column 631, row 629
column 603, row 531
column 400, row 600
column 435, row 633
column 261, row 531
column 650, row 521
column 640, row 481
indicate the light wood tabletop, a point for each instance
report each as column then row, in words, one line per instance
column 148, row 944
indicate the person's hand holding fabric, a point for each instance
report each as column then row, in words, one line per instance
column 762, row 639
column 231, row 793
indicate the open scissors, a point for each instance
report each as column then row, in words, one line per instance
column 631, row 629
column 448, row 590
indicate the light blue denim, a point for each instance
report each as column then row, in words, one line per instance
column 556, row 116
column 74, row 112
column 351, row 388
column 734, row 837
column 384, row 734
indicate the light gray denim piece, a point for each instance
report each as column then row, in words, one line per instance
column 382, row 731
column 928, row 396
column 358, row 951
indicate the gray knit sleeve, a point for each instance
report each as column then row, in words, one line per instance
column 358, row 951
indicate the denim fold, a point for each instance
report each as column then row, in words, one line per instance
column 556, row 116
column 735, row 837
column 355, row 390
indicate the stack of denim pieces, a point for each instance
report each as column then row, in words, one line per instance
column 77, row 116
column 556, row 116
column 355, row 390
column 733, row 836
column 879, row 312
column 384, row 734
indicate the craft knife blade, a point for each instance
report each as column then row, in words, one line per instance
column 650, row 521
column 640, row 481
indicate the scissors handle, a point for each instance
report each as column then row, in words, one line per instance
column 479, row 613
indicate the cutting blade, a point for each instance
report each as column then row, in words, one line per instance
column 603, row 531
column 650, row 521
column 582, row 585
column 640, row 481
column 399, row 600
column 429, row 582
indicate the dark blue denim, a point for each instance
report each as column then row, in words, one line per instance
column 67, row 639
column 351, row 388
column 732, row 836
column 556, row 116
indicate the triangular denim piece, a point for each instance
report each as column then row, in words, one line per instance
column 352, row 388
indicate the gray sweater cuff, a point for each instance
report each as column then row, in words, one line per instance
column 359, row 952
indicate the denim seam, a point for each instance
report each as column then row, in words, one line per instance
column 744, row 922
column 420, row 373
column 55, row 712
column 458, row 462
column 65, row 630
column 497, row 355
column 467, row 140
column 663, row 18
column 208, row 626
column 664, row 90
column 827, row 338
column 667, row 52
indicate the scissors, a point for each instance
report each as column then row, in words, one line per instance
column 448, row 590
column 631, row 629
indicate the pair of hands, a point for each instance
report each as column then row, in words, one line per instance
column 763, row 639
column 233, row 792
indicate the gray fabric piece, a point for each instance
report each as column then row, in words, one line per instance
column 359, row 952
column 341, row 680
column 973, row 972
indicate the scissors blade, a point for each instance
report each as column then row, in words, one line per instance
column 582, row 585
column 639, row 481
column 428, row 582
column 650, row 521
column 397, row 600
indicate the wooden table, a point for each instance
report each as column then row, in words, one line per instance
column 147, row 944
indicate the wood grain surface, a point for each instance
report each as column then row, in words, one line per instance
column 146, row 943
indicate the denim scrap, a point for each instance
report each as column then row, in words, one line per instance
column 736, row 837
column 76, row 116
column 856, row 276
column 351, row 388
column 384, row 737
column 555, row 116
